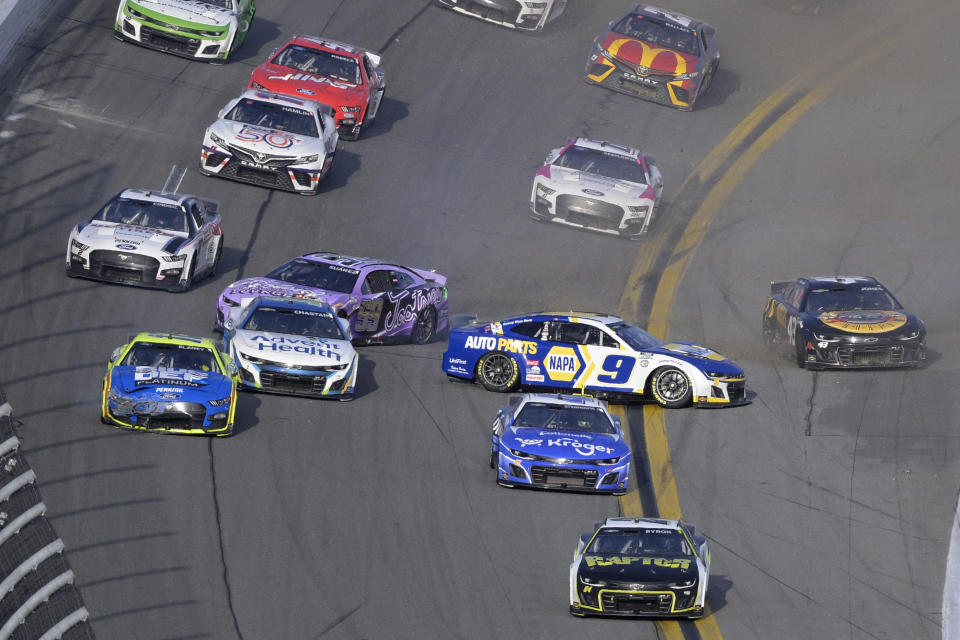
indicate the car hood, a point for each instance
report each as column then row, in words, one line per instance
column 570, row 445
column 171, row 384
column 592, row 185
column 865, row 322
column 701, row 357
column 270, row 142
column 650, row 568
column 304, row 85
column 636, row 53
column 189, row 11
column 253, row 287
column 109, row 235
column 293, row 350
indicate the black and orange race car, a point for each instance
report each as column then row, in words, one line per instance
column 843, row 321
column 657, row 55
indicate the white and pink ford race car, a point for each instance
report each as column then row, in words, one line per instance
column 148, row 238
column 271, row 141
column 597, row 186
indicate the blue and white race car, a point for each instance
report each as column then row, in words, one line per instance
column 560, row 442
column 595, row 353
column 296, row 347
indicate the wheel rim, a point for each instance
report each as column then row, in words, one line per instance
column 423, row 327
column 497, row 369
column 672, row 385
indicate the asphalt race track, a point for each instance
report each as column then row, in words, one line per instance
column 828, row 501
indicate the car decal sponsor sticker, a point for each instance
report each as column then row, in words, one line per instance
column 668, row 563
column 489, row 343
column 277, row 139
column 127, row 247
column 593, row 192
column 167, row 375
column 864, row 321
column 306, row 346
column 562, row 363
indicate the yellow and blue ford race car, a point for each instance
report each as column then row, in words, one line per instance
column 170, row 383
column 600, row 354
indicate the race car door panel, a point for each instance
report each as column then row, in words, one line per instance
column 387, row 301
column 581, row 355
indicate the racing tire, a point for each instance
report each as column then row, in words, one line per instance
column 498, row 372
column 216, row 258
column 800, row 352
column 670, row 387
column 708, row 78
column 190, row 274
column 424, row 326
column 494, row 458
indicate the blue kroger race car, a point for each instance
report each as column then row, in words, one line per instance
column 170, row 384
column 297, row 347
column 560, row 442
column 595, row 353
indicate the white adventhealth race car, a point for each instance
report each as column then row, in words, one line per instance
column 153, row 239
column 272, row 141
column 598, row 186
column 200, row 29
column 291, row 346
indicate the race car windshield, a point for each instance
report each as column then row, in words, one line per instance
column 602, row 163
column 168, row 217
column 850, row 298
column 171, row 356
column 226, row 4
column 539, row 415
column 640, row 542
column 635, row 337
column 274, row 116
column 296, row 322
column 659, row 33
column 320, row 63
column 319, row 275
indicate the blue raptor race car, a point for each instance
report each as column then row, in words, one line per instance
column 560, row 442
column 169, row 383
column 595, row 353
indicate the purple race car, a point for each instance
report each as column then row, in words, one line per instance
column 383, row 301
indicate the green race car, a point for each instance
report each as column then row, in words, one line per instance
column 209, row 30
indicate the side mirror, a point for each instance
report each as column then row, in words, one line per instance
column 345, row 326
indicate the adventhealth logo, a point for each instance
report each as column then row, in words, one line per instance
column 305, row 346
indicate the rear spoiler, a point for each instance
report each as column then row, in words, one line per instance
column 778, row 287
column 430, row 276
column 211, row 205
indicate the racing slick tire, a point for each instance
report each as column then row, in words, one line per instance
column 216, row 258
column 670, row 387
column 800, row 352
column 498, row 372
column 708, row 78
column 494, row 458
column 189, row 281
column 424, row 326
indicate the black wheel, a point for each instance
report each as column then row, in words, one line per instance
column 708, row 77
column 768, row 336
column 800, row 351
column 424, row 326
column 498, row 372
column 216, row 258
column 190, row 273
column 671, row 387
column 494, row 458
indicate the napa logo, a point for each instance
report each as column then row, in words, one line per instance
column 562, row 363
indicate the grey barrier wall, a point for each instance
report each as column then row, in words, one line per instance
column 16, row 19
column 38, row 599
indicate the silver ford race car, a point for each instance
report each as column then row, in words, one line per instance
column 272, row 141
column 598, row 186
column 201, row 29
column 516, row 14
column 147, row 238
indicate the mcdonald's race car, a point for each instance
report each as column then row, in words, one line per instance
column 598, row 186
column 169, row 383
column 296, row 347
column 560, row 442
column 200, row 29
column 656, row 55
column 383, row 302
column 843, row 322
column 515, row 14
column 148, row 238
column 598, row 354
column 643, row 567
column 272, row 141
column 343, row 76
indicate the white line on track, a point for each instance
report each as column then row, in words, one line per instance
column 174, row 179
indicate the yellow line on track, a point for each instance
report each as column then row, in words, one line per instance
column 654, row 426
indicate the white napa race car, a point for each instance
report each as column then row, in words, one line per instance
column 148, row 238
column 272, row 141
column 291, row 346
column 598, row 186
column 516, row 14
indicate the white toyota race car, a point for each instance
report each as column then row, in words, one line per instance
column 296, row 347
column 516, row 14
column 598, row 186
column 272, row 141
column 148, row 238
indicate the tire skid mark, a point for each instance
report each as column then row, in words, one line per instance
column 811, row 403
column 223, row 556
column 406, row 25
column 261, row 213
